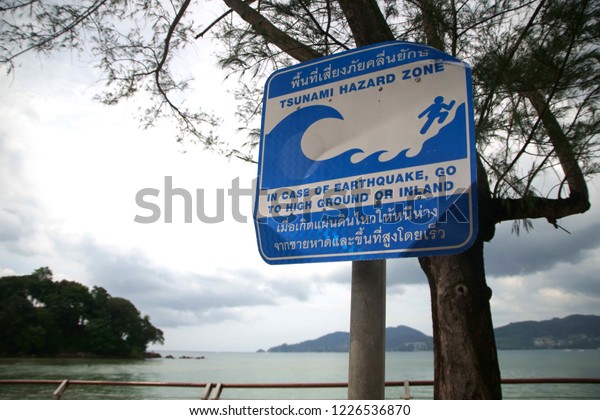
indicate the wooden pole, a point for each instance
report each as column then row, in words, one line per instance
column 57, row 395
column 366, row 373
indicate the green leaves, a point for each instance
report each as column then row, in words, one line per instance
column 39, row 316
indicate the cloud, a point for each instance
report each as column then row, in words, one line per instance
column 20, row 210
column 10, row 225
column 561, row 287
column 404, row 271
column 579, row 277
column 400, row 271
column 5, row 272
column 174, row 298
column 540, row 250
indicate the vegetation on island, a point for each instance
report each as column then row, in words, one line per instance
column 43, row 317
column 571, row 332
column 400, row 338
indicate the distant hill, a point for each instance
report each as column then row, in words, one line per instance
column 403, row 338
column 574, row 331
column 399, row 338
column 334, row 342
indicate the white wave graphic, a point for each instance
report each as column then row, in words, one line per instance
column 382, row 121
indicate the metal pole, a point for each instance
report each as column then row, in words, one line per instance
column 366, row 374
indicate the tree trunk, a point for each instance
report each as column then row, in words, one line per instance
column 464, row 347
column 465, row 357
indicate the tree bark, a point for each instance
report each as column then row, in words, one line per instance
column 366, row 21
column 465, row 357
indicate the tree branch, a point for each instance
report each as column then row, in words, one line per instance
column 562, row 147
column 453, row 47
column 538, row 208
column 366, row 21
column 493, row 16
column 173, row 26
column 511, row 53
column 213, row 23
column 430, row 26
column 66, row 29
column 271, row 33
column 12, row 7
column 320, row 28
column 531, row 207
column 578, row 200
column 169, row 36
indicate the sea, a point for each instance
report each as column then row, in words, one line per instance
column 204, row 367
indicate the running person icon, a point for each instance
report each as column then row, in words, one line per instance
column 437, row 110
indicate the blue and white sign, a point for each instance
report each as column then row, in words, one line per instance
column 367, row 154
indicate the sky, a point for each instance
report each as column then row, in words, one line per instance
column 70, row 170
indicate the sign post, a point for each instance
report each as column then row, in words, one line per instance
column 367, row 155
column 366, row 361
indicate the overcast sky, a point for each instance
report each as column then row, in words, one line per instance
column 70, row 169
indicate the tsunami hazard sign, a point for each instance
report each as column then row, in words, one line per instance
column 367, row 154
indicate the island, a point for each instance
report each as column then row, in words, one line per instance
column 43, row 317
column 571, row 332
